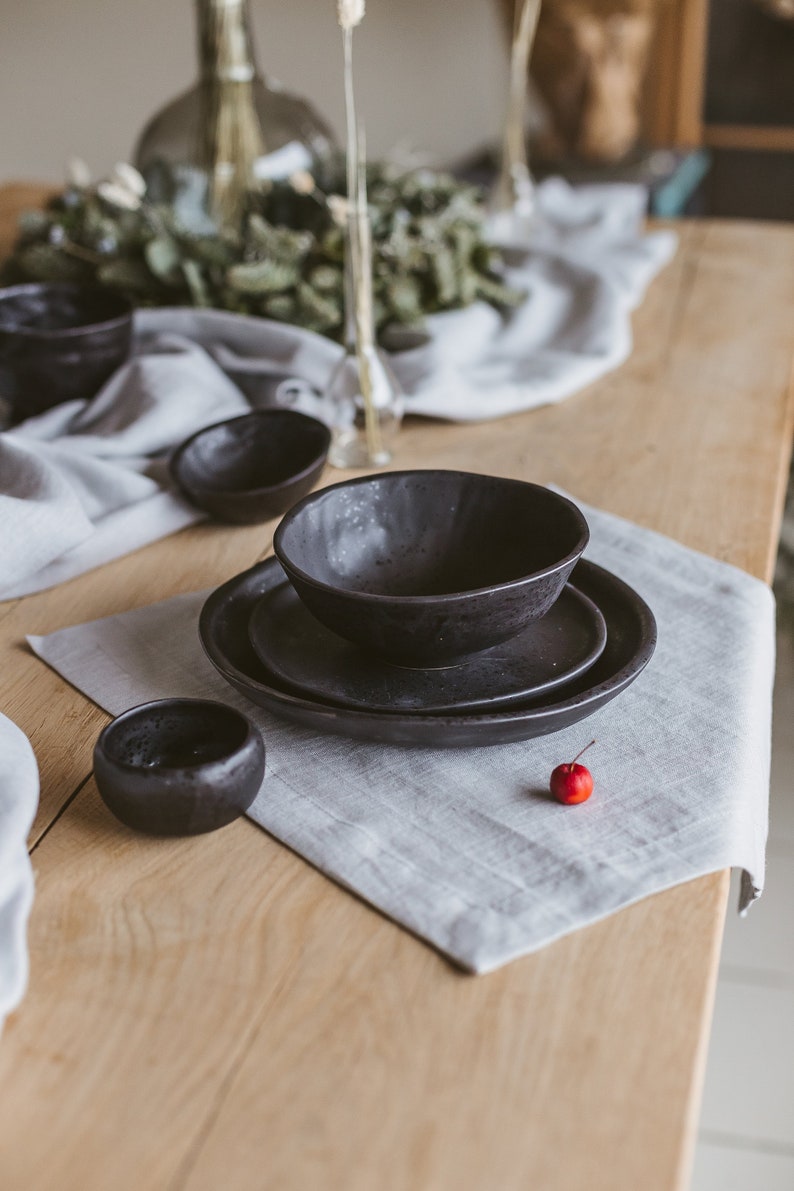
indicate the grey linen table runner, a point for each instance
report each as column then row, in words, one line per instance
column 465, row 847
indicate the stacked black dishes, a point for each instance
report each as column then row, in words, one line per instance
column 430, row 607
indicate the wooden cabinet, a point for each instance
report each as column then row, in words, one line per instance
column 693, row 65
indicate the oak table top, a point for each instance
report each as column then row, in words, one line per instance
column 214, row 1013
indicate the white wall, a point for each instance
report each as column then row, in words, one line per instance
column 82, row 76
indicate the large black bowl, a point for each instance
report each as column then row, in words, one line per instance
column 179, row 766
column 253, row 467
column 59, row 341
column 426, row 567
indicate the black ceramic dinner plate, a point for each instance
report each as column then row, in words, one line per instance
column 309, row 659
column 631, row 638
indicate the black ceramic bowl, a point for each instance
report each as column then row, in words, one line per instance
column 425, row 567
column 251, row 468
column 179, row 766
column 59, row 341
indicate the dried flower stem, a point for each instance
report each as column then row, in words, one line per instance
column 515, row 176
column 352, row 132
column 359, row 239
column 80, row 253
column 350, row 13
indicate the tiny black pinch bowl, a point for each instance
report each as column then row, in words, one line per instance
column 59, row 341
column 631, row 640
column 179, row 766
column 426, row 567
column 253, row 467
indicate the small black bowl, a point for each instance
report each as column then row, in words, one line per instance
column 59, row 341
column 423, row 568
column 179, row 766
column 253, row 467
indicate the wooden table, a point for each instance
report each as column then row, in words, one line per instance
column 213, row 1013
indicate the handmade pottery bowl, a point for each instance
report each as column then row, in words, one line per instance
column 179, row 766
column 423, row 568
column 59, row 341
column 253, row 467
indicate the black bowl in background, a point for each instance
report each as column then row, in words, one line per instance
column 252, row 467
column 59, row 341
column 179, row 766
column 426, row 567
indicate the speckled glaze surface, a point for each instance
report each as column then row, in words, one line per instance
column 422, row 567
column 631, row 639
column 253, row 467
column 179, row 766
column 308, row 658
column 59, row 341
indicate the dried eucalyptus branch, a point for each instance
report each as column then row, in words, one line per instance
column 285, row 261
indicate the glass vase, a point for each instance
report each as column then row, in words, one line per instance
column 363, row 432
column 231, row 133
column 511, row 211
column 363, row 399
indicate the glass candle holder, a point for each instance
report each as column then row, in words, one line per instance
column 363, row 399
column 364, row 409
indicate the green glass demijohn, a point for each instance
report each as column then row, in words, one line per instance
column 231, row 133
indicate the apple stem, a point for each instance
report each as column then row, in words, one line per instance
column 578, row 755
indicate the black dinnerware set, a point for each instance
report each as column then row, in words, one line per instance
column 436, row 608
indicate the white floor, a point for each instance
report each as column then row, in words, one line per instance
column 746, row 1140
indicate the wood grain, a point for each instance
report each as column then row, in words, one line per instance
column 15, row 197
column 767, row 138
column 214, row 1013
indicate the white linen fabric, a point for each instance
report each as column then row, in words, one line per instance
column 86, row 482
column 465, row 847
column 589, row 265
column 19, row 796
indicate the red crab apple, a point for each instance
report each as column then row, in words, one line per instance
column 572, row 783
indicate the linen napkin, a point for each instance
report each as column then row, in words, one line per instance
column 87, row 481
column 19, row 796
column 464, row 847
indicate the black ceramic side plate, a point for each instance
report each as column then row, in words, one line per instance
column 305, row 657
column 631, row 639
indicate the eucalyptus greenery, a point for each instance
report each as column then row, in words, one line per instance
column 286, row 261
